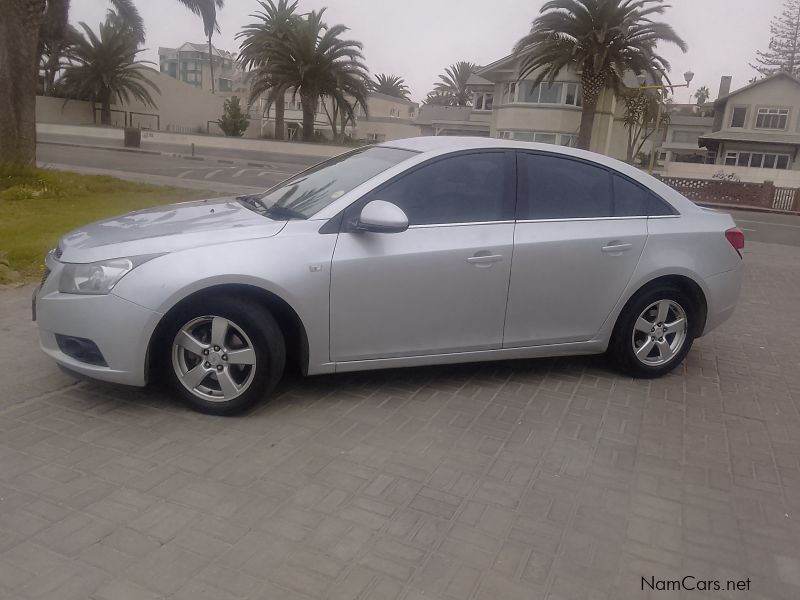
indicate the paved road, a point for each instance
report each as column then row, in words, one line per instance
column 176, row 169
column 769, row 227
column 538, row 479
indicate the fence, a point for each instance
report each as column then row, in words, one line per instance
column 736, row 193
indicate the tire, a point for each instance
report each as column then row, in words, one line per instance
column 667, row 347
column 222, row 355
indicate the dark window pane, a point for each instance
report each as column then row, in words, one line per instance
column 656, row 207
column 769, row 161
column 783, row 162
column 744, row 159
column 738, row 116
column 559, row 188
column 461, row 189
column 756, row 159
column 630, row 199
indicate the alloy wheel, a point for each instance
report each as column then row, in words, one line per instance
column 659, row 333
column 214, row 358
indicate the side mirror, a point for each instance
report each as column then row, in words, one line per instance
column 382, row 217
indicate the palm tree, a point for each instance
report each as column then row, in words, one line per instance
column 313, row 61
column 207, row 9
column 702, row 95
column 125, row 15
column 600, row 40
column 52, row 41
column 104, row 67
column 347, row 89
column 391, row 85
column 453, row 83
column 258, row 41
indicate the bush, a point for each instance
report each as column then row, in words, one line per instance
column 233, row 122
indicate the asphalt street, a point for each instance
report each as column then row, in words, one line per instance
column 243, row 177
column 171, row 170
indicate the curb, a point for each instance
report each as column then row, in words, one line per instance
column 225, row 161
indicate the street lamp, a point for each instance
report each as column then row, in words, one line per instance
column 688, row 76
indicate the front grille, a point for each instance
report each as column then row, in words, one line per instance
column 58, row 251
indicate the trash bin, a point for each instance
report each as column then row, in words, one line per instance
column 133, row 137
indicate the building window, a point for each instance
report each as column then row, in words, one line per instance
column 225, row 85
column 543, row 137
column 483, row 101
column 762, row 160
column 509, row 93
column 394, row 112
column 544, row 93
column 772, row 118
column 680, row 136
column 737, row 119
column 573, row 95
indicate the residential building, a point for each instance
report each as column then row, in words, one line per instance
column 190, row 63
column 506, row 107
column 687, row 123
column 386, row 118
column 757, row 126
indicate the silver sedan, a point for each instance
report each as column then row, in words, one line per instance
column 414, row 252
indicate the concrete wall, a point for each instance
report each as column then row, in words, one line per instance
column 781, row 177
column 180, row 107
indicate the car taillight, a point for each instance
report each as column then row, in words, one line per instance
column 736, row 238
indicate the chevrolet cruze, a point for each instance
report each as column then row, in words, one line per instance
column 412, row 252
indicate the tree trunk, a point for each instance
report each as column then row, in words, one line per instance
column 309, row 102
column 280, row 118
column 19, row 69
column 593, row 84
column 211, row 63
column 105, row 113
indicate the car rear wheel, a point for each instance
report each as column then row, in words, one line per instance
column 223, row 355
column 654, row 332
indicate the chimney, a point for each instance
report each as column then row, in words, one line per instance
column 724, row 86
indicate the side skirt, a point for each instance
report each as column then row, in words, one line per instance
column 572, row 349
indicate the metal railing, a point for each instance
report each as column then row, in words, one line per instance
column 784, row 198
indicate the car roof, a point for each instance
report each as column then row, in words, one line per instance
column 443, row 144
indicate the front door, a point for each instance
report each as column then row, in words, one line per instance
column 579, row 235
column 439, row 287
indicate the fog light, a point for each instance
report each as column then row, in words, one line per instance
column 81, row 349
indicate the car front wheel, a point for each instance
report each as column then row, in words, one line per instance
column 654, row 332
column 224, row 355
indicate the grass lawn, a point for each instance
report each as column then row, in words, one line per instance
column 38, row 206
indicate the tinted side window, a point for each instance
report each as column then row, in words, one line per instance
column 551, row 187
column 630, row 199
column 461, row 189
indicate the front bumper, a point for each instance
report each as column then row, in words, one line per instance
column 722, row 295
column 120, row 328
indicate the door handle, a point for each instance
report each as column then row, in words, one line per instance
column 482, row 258
column 612, row 248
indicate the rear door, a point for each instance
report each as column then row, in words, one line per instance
column 579, row 234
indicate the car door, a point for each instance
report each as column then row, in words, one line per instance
column 440, row 286
column 576, row 245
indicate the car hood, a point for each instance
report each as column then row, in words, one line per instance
column 166, row 229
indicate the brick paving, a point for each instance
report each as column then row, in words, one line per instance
column 536, row 479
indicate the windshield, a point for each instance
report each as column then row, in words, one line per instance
column 312, row 190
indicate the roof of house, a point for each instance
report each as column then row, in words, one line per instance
column 392, row 98
column 753, row 136
column 191, row 47
column 476, row 79
column 779, row 75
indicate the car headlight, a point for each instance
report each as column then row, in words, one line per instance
column 97, row 277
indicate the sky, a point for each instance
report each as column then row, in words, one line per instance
column 418, row 39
